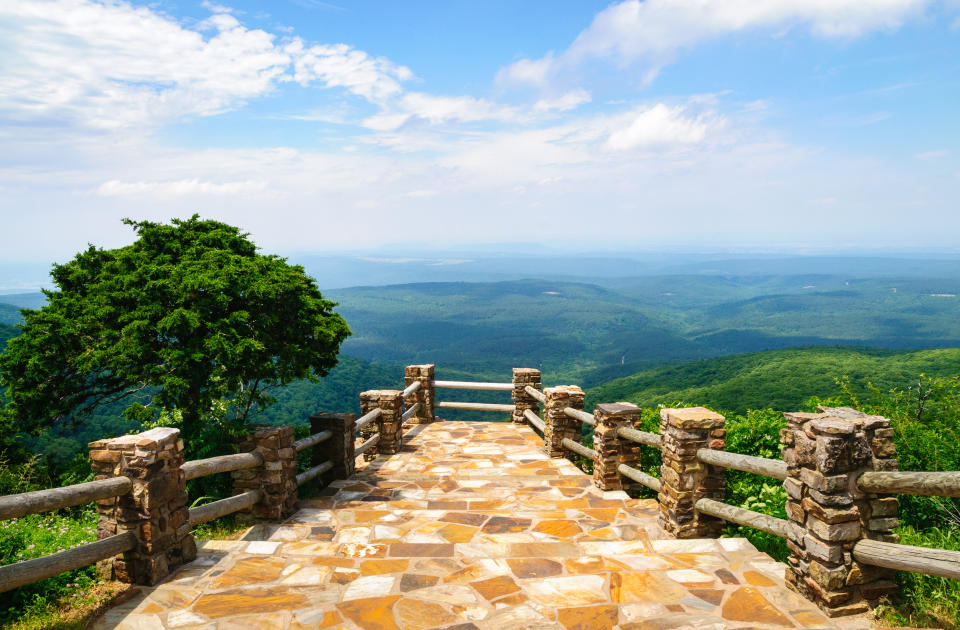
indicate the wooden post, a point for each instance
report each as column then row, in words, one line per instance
column 684, row 479
column 611, row 449
column 339, row 448
column 824, row 453
column 277, row 478
column 557, row 425
column 154, row 510
column 521, row 399
column 425, row 395
column 391, row 435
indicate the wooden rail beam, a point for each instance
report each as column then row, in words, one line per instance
column 30, row 571
column 534, row 419
column 580, row 416
column 930, row 484
column 17, row 505
column 472, row 406
column 536, row 393
column 363, row 448
column 579, row 448
column 741, row 516
column 223, row 463
column 211, row 511
column 641, row 437
column 505, row 387
column 312, row 440
column 747, row 463
column 412, row 389
column 938, row 562
column 366, row 419
column 409, row 413
column 639, row 476
column 313, row 473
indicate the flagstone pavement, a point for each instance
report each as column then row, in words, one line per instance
column 471, row 527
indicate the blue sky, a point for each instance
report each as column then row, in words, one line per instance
column 334, row 126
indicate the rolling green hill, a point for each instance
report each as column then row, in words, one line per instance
column 777, row 379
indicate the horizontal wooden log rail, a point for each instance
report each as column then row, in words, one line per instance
column 412, row 388
column 220, row 464
column 472, row 406
column 17, row 505
column 216, row 509
column 641, row 437
column 366, row 446
column 930, row 484
column 30, row 571
column 741, row 516
column 579, row 415
column 505, row 387
column 639, row 476
column 534, row 419
column 409, row 413
column 364, row 420
column 579, row 448
column 313, row 473
column 533, row 392
column 747, row 463
column 938, row 562
column 312, row 440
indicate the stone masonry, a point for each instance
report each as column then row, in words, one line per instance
column 155, row 510
column 611, row 449
column 369, row 400
column 825, row 453
column 684, row 478
column 391, row 435
column 425, row 395
column 521, row 399
column 277, row 478
column 557, row 425
column 339, row 448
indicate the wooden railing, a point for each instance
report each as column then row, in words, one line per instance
column 840, row 512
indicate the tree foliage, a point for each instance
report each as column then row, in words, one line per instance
column 190, row 312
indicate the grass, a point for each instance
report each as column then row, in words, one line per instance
column 925, row 601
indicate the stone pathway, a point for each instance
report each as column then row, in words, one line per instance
column 471, row 527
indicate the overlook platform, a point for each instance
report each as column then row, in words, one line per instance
column 471, row 526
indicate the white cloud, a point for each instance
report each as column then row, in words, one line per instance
column 932, row 155
column 439, row 110
column 181, row 188
column 113, row 65
column 564, row 102
column 659, row 126
column 654, row 30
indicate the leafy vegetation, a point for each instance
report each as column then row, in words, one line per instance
column 189, row 309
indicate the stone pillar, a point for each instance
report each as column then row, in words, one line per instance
column 425, row 395
column 391, row 434
column 277, row 478
column 155, row 510
column 339, row 448
column 521, row 399
column 825, row 453
column 369, row 400
column 557, row 425
column 612, row 450
column 684, row 479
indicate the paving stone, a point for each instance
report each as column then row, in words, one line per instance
column 470, row 527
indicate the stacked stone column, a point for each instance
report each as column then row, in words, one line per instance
column 825, row 453
column 684, row 479
column 369, row 400
column 557, row 425
column 155, row 510
column 339, row 448
column 521, row 399
column 425, row 395
column 391, row 434
column 277, row 477
column 612, row 450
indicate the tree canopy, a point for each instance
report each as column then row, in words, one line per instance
column 190, row 313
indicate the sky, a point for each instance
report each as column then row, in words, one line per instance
column 662, row 125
